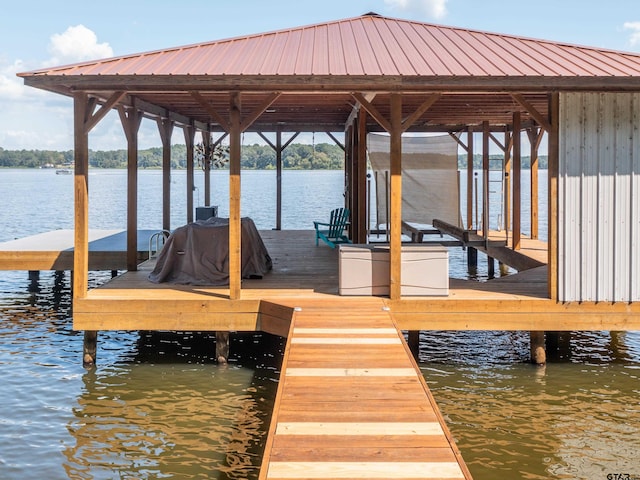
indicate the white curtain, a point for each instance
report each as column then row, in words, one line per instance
column 430, row 185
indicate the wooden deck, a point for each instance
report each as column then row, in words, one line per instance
column 304, row 272
column 53, row 250
column 351, row 403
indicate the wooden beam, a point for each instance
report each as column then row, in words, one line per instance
column 130, row 119
column 95, row 118
column 338, row 143
column 554, row 148
column 374, row 112
column 213, row 113
column 469, row 178
column 206, row 167
column 81, row 196
column 517, row 182
column 535, row 135
column 279, row 148
column 350, row 174
column 456, row 137
column 498, row 143
column 508, row 141
column 361, row 180
column 288, row 142
column 165, row 127
column 247, row 122
column 395, row 259
column 189, row 140
column 426, row 105
column 235, row 265
column 266, row 139
column 485, row 179
column 531, row 110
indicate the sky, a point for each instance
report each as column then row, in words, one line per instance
column 42, row 33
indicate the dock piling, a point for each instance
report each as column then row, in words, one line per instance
column 413, row 340
column 222, row 347
column 90, row 348
column 538, row 353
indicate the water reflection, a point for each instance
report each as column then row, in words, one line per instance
column 191, row 419
column 576, row 418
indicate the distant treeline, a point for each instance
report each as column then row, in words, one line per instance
column 297, row 156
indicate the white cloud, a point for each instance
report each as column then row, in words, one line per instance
column 75, row 45
column 430, row 8
column 634, row 39
column 35, row 119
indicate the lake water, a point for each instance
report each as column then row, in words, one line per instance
column 158, row 405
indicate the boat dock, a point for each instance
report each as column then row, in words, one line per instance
column 352, row 403
column 53, row 250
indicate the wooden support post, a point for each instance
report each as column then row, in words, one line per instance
column 507, row 182
column 279, row 178
column 517, row 180
column 472, row 260
column 538, row 353
column 114, row 273
column 34, row 281
column 413, row 340
column 131, row 123
column 235, row 266
column 165, row 126
column 58, row 282
column 361, row 180
column 554, row 114
column 470, row 178
column 395, row 255
column 350, row 173
column 90, row 348
column 534, row 141
column 222, row 347
column 491, row 267
column 81, row 196
column 485, row 179
column 206, row 141
column 189, row 139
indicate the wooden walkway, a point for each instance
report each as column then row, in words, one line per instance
column 352, row 403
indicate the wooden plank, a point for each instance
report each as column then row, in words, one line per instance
column 241, row 321
column 335, row 418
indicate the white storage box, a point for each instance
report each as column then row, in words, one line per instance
column 364, row 270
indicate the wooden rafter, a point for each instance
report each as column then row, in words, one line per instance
column 538, row 117
column 373, row 111
column 247, row 122
column 94, row 118
column 426, row 105
column 456, row 137
column 213, row 113
column 498, row 143
column 333, row 137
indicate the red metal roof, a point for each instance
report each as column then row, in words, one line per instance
column 369, row 45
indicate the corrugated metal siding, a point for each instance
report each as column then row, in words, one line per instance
column 599, row 206
column 370, row 45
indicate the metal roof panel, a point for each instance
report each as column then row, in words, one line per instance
column 368, row 45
